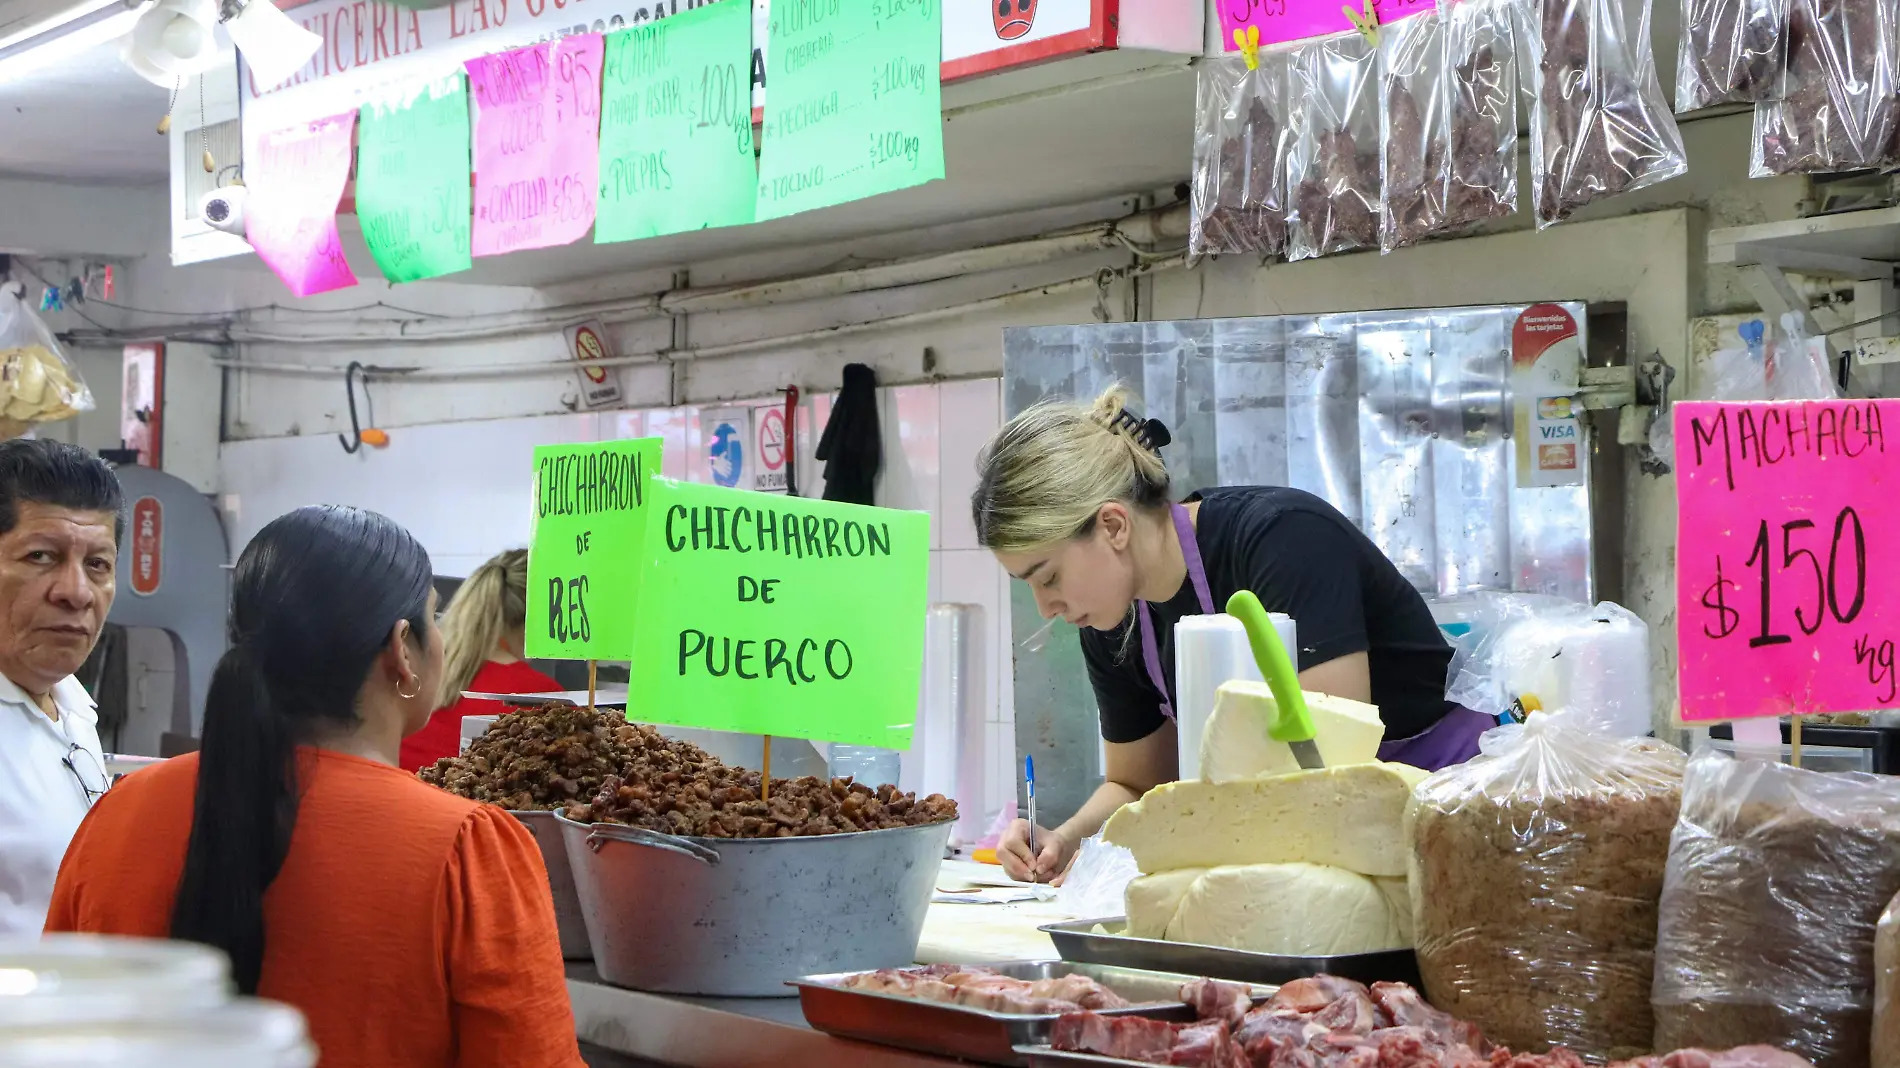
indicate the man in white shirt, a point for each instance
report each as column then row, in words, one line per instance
column 59, row 548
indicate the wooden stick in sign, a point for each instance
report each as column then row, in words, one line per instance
column 765, row 777
column 593, row 676
column 1794, row 740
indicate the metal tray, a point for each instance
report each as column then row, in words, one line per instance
column 1078, row 941
column 977, row 1034
column 1047, row 1056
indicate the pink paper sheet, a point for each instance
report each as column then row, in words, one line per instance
column 295, row 178
column 537, row 144
column 1788, row 556
column 1280, row 21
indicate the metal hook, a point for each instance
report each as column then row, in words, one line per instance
column 349, row 387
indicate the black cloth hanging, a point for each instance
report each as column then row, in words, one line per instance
column 852, row 447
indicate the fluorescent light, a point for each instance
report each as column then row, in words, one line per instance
column 36, row 51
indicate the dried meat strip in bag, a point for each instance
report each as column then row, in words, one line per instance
column 1601, row 126
column 1481, row 52
column 1731, row 52
column 1333, row 170
column 1236, row 197
column 1836, row 111
column 1414, row 172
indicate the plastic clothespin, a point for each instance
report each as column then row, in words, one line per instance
column 1248, row 41
column 108, row 287
column 1367, row 24
column 49, row 300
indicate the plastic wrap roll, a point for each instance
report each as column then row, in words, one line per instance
column 946, row 755
column 1209, row 650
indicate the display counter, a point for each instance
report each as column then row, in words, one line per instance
column 771, row 1032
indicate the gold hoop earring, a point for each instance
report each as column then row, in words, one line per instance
column 409, row 696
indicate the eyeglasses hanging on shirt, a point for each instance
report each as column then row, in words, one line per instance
column 87, row 771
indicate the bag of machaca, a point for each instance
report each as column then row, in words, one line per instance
column 1536, row 869
column 1777, row 879
column 1237, row 199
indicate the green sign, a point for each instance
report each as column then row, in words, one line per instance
column 855, row 104
column 590, row 520
column 412, row 191
column 766, row 614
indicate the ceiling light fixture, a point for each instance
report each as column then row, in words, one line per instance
column 49, row 45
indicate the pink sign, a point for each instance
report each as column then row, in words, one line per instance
column 1788, row 557
column 537, row 144
column 295, row 177
column 1279, row 21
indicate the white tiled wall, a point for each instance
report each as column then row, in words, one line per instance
column 463, row 488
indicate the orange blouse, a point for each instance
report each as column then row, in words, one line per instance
column 414, row 928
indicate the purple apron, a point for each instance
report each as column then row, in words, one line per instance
column 1452, row 740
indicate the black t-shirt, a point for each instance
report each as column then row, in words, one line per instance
column 1300, row 556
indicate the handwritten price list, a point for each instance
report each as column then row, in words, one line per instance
column 537, row 144
column 676, row 148
column 296, row 177
column 412, row 192
column 856, row 107
column 1788, row 564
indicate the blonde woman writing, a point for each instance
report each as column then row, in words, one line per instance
column 1075, row 501
column 483, row 632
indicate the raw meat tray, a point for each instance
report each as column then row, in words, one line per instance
column 976, row 1034
column 1078, row 941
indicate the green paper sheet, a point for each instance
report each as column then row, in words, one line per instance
column 780, row 615
column 676, row 125
column 853, row 103
column 590, row 520
column 412, row 191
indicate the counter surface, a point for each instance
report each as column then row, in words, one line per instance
column 771, row 1032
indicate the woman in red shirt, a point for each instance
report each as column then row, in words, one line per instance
column 484, row 629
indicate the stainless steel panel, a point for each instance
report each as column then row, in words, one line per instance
column 1395, row 438
column 1322, row 400
column 1471, row 355
column 1249, row 391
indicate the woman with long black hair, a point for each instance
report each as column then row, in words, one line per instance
column 412, row 927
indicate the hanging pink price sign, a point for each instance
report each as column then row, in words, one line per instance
column 295, row 178
column 1788, row 557
column 1280, row 21
column 537, row 144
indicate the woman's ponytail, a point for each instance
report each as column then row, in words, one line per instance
column 490, row 604
column 246, row 807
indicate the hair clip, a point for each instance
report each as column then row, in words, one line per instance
column 1150, row 434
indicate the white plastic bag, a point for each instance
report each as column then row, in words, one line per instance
column 1548, row 653
column 37, row 383
column 1097, row 880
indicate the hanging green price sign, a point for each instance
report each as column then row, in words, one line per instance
column 784, row 616
column 412, row 191
column 590, row 521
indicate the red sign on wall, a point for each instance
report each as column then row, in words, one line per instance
column 148, row 543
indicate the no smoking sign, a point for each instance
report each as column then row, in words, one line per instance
column 768, row 431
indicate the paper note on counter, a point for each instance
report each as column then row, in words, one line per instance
column 959, row 934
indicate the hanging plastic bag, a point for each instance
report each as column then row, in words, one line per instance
column 37, row 383
column 1333, row 169
column 1777, row 877
column 1836, row 109
column 1448, row 142
column 1237, row 199
column 1730, row 52
column 1601, row 125
column 1536, row 870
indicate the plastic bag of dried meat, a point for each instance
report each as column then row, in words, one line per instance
column 1777, row 877
column 1237, row 198
column 37, row 383
column 1449, row 79
column 1886, row 1045
column 1601, row 125
column 1836, row 110
column 1333, row 169
column 1730, row 52
column 1535, row 875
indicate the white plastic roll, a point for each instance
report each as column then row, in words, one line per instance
column 1603, row 673
column 1208, row 651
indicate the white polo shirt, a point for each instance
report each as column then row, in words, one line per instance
column 41, row 799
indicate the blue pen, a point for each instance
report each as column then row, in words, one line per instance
column 1029, row 777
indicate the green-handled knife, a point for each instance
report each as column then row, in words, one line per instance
column 1292, row 726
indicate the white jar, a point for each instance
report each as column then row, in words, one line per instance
column 77, row 978
column 246, row 1033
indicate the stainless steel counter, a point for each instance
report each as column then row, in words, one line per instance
column 716, row 1032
